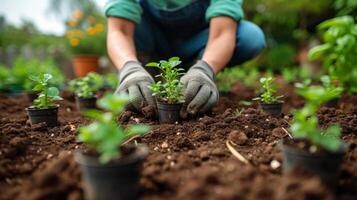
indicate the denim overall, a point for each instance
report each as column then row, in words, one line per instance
column 184, row 32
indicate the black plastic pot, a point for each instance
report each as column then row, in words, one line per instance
column 47, row 115
column 274, row 109
column 168, row 113
column 86, row 103
column 332, row 103
column 325, row 164
column 117, row 180
column 31, row 96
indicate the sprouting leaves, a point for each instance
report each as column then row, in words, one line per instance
column 268, row 96
column 105, row 135
column 169, row 89
column 339, row 50
column 87, row 86
column 305, row 122
column 47, row 95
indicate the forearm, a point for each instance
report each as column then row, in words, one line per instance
column 221, row 43
column 120, row 42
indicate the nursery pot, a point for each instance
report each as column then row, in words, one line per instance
column 47, row 115
column 86, row 103
column 332, row 103
column 116, row 180
column 326, row 164
column 83, row 64
column 273, row 108
column 168, row 113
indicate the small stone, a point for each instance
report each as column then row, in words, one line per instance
column 156, row 148
column 49, row 156
column 169, row 157
column 178, row 133
column 73, row 127
column 76, row 147
column 238, row 137
column 164, row 145
column 246, row 127
column 69, row 109
column 267, row 120
column 52, row 135
column 172, row 163
column 275, row 164
column 137, row 120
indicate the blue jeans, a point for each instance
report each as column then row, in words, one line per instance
column 184, row 33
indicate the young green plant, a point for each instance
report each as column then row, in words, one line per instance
column 339, row 50
column 47, row 95
column 305, row 121
column 331, row 86
column 87, row 86
column 169, row 88
column 268, row 96
column 105, row 135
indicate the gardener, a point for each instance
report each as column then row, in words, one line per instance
column 212, row 31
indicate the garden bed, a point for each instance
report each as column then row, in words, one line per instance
column 186, row 161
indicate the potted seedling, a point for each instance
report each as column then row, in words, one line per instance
column 110, row 169
column 333, row 88
column 44, row 108
column 269, row 102
column 316, row 150
column 85, row 89
column 168, row 91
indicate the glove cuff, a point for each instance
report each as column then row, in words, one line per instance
column 205, row 67
column 128, row 68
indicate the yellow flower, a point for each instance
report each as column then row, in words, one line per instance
column 74, row 41
column 72, row 23
column 99, row 27
column 69, row 34
column 78, row 33
column 91, row 31
column 77, row 14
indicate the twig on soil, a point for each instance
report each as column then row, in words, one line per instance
column 131, row 139
column 236, row 153
column 287, row 132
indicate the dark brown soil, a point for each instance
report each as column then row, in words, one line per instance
column 186, row 161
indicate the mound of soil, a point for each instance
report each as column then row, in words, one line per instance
column 186, row 161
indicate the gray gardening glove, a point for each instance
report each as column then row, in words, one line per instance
column 200, row 91
column 134, row 81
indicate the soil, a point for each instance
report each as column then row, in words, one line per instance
column 186, row 161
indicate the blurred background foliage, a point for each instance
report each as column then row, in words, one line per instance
column 289, row 25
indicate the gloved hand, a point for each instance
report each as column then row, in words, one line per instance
column 200, row 92
column 134, row 80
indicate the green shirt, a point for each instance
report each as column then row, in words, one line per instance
column 131, row 9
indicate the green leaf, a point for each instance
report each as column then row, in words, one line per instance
column 53, row 92
column 152, row 64
column 138, row 129
column 317, row 51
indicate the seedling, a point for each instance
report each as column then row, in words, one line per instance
column 47, row 95
column 105, row 135
column 305, row 122
column 331, row 86
column 339, row 50
column 268, row 96
column 169, row 88
column 87, row 86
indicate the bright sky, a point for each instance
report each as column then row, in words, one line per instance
column 35, row 11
